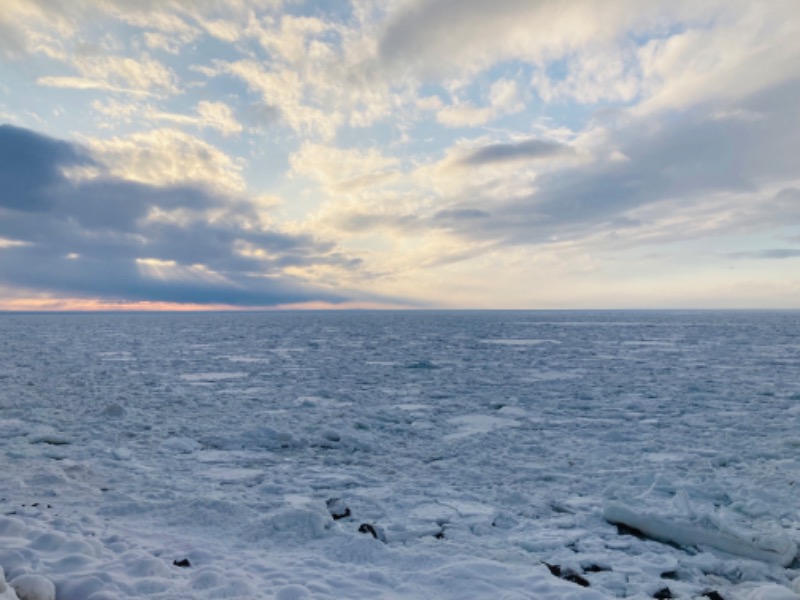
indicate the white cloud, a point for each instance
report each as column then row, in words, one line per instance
column 115, row 112
column 282, row 88
column 83, row 83
column 289, row 37
column 723, row 63
column 211, row 115
column 504, row 99
column 464, row 115
column 169, row 156
column 118, row 74
column 340, row 170
column 595, row 74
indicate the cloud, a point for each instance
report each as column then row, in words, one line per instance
column 704, row 64
column 116, row 239
column 461, row 213
column 30, row 167
column 82, row 83
column 665, row 56
column 596, row 75
column 694, row 176
column 513, row 152
column 283, row 89
column 210, row 115
column 123, row 74
column 342, row 170
column 464, row 115
column 768, row 254
column 504, row 99
column 435, row 38
column 674, row 168
column 169, row 157
column 42, row 26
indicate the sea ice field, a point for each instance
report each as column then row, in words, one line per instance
column 431, row 455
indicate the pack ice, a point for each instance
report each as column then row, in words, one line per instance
column 434, row 455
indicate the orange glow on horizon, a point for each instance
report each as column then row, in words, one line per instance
column 96, row 305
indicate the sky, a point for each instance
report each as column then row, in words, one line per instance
column 205, row 154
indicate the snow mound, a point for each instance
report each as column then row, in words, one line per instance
column 774, row 548
column 299, row 524
column 33, row 587
column 6, row 592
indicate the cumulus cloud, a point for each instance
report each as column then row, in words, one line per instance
column 169, row 157
column 102, row 236
column 283, row 89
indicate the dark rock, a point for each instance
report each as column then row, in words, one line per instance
column 663, row 594
column 623, row 529
column 575, row 578
column 595, row 569
column 337, row 508
column 670, row 575
column 367, row 528
column 184, row 562
column 422, row 364
column 567, row 575
column 554, row 569
column 712, row 595
column 439, row 535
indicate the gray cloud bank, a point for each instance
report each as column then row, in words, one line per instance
column 96, row 238
column 711, row 173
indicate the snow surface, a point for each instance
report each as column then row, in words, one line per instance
column 194, row 456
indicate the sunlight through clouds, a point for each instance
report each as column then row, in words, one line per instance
column 394, row 150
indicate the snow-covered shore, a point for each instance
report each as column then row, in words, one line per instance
column 492, row 455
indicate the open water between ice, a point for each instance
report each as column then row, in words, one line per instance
column 641, row 453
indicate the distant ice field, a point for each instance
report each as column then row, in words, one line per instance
column 441, row 455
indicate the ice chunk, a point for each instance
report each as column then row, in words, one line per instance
column 269, row 438
column 180, row 445
column 771, row 592
column 477, row 424
column 302, row 524
column 114, row 410
column 293, row 592
column 774, row 548
column 122, row 453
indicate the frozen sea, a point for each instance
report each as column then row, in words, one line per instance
column 466, row 455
